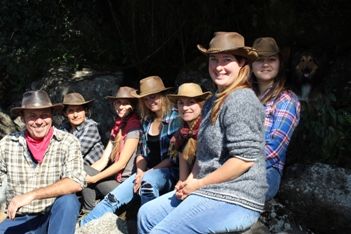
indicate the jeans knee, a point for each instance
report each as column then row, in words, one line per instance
column 146, row 189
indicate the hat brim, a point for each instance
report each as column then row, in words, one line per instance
column 284, row 53
column 112, row 99
column 141, row 95
column 173, row 97
column 17, row 110
column 88, row 103
column 247, row 52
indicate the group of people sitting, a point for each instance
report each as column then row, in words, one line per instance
column 198, row 162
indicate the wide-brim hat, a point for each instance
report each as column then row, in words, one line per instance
column 150, row 85
column 76, row 99
column 232, row 43
column 34, row 100
column 267, row 46
column 123, row 92
column 189, row 90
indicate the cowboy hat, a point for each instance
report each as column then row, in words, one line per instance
column 76, row 99
column 150, row 85
column 266, row 46
column 34, row 100
column 232, row 43
column 123, row 92
column 189, row 90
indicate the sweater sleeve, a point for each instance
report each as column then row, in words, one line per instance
column 243, row 124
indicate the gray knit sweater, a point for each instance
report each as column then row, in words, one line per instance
column 237, row 132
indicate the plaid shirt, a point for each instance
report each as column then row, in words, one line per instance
column 89, row 138
column 282, row 117
column 170, row 124
column 62, row 159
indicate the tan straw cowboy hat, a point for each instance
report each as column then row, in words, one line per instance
column 33, row 100
column 123, row 92
column 266, row 46
column 232, row 43
column 189, row 90
column 76, row 99
column 150, row 85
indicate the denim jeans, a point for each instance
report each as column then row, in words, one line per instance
column 273, row 180
column 154, row 183
column 61, row 219
column 196, row 214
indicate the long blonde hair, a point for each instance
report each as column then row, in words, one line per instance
column 118, row 139
column 242, row 81
column 147, row 114
column 190, row 147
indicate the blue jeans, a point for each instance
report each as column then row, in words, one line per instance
column 61, row 219
column 153, row 184
column 273, row 180
column 196, row 214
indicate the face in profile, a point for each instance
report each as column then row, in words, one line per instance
column 123, row 107
column 38, row 122
column 189, row 109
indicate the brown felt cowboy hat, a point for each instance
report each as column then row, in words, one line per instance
column 76, row 99
column 123, row 92
column 266, row 46
column 34, row 100
column 189, row 90
column 150, row 85
column 232, row 43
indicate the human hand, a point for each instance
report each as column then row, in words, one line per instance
column 17, row 203
column 137, row 181
column 184, row 189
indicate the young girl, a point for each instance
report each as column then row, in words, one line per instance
column 281, row 105
column 120, row 151
column 229, row 173
column 156, row 173
column 189, row 102
column 85, row 129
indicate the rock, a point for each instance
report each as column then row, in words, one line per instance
column 109, row 223
column 92, row 85
column 319, row 196
column 7, row 126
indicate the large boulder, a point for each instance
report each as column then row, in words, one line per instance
column 92, row 85
column 319, row 196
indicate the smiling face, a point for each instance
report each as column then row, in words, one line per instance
column 38, row 122
column 123, row 107
column 189, row 109
column 266, row 68
column 75, row 114
column 224, row 69
column 153, row 102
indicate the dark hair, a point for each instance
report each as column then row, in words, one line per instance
column 279, row 84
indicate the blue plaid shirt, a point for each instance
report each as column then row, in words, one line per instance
column 89, row 138
column 282, row 117
column 170, row 124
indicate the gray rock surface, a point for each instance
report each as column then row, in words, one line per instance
column 107, row 224
column 319, row 195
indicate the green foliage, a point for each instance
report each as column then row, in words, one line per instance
column 329, row 134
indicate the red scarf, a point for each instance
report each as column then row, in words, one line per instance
column 132, row 123
column 38, row 147
column 181, row 137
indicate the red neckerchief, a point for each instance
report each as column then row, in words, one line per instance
column 181, row 137
column 132, row 123
column 38, row 147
